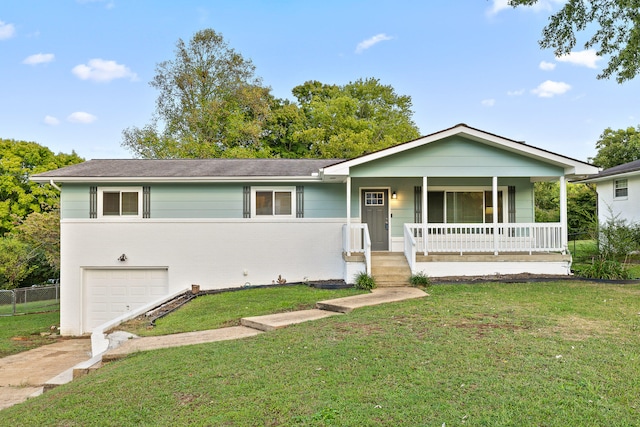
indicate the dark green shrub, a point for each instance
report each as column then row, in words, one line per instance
column 364, row 281
column 420, row 279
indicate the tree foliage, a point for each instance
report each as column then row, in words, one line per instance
column 348, row 121
column 19, row 196
column 210, row 104
column 617, row 32
column 581, row 206
column 616, row 147
column 15, row 262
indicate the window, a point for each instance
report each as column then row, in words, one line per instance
column 274, row 202
column 620, row 188
column 120, row 202
column 374, row 198
column 468, row 206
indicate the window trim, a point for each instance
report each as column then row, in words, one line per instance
column 616, row 188
column 100, row 202
column 273, row 189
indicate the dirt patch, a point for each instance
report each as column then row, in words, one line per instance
column 485, row 322
column 579, row 329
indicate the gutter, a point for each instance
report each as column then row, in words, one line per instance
column 53, row 184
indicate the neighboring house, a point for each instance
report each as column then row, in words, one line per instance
column 456, row 202
column 618, row 192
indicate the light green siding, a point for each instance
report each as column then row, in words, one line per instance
column 456, row 157
column 74, row 201
column 208, row 200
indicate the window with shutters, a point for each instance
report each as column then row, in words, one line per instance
column 119, row 202
column 277, row 202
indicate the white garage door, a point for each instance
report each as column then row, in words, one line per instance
column 109, row 293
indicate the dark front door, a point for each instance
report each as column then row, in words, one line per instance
column 375, row 213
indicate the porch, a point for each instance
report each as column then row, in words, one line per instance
column 441, row 250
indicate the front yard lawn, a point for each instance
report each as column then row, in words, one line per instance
column 547, row 354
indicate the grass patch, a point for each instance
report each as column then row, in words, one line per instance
column 484, row 354
column 227, row 308
column 20, row 333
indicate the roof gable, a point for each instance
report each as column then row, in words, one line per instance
column 571, row 167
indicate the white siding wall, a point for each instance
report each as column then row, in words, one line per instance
column 627, row 208
column 211, row 253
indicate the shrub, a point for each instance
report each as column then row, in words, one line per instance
column 364, row 281
column 601, row 268
column 420, row 279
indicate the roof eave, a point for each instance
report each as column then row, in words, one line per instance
column 186, row 180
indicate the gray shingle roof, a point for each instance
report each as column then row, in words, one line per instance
column 190, row 168
column 617, row 170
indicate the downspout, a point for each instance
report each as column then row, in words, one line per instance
column 53, row 184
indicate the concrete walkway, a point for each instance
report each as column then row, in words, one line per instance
column 27, row 374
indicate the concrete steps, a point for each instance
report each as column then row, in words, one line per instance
column 390, row 269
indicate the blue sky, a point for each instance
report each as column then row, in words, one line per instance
column 75, row 73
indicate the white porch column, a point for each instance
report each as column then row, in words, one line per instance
column 424, row 214
column 564, row 228
column 348, row 216
column 494, row 204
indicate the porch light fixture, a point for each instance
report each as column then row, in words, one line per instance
column 394, row 195
column 122, row 258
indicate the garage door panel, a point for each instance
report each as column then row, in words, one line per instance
column 109, row 293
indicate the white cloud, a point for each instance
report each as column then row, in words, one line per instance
column 100, row 70
column 6, row 30
column 488, row 102
column 547, row 66
column 39, row 58
column 549, row 89
column 366, row 44
column 586, row 58
column 497, row 6
column 515, row 92
column 81, row 117
column 51, row 121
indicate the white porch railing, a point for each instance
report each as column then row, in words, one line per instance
column 359, row 241
column 410, row 246
column 461, row 238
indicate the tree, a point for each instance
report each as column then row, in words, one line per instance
column 41, row 232
column 617, row 32
column 210, row 105
column 616, row 147
column 581, row 207
column 332, row 121
column 15, row 265
column 19, row 196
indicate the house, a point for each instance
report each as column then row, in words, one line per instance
column 456, row 202
column 618, row 192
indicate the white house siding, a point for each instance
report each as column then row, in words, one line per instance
column 211, row 253
column 625, row 208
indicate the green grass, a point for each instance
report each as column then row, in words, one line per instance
column 30, row 307
column 226, row 309
column 545, row 354
column 22, row 332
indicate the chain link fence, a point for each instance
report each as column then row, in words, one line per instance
column 36, row 299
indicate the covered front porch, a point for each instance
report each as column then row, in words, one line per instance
column 459, row 202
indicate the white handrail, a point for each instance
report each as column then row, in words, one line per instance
column 359, row 242
column 409, row 247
